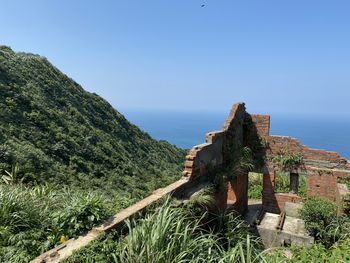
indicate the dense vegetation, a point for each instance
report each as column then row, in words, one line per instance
column 331, row 232
column 54, row 131
column 32, row 220
column 172, row 234
column 67, row 158
column 177, row 235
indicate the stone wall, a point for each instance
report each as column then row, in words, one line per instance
column 212, row 152
column 322, row 169
column 262, row 124
column 203, row 156
column 243, row 128
column 312, row 157
column 215, row 153
column 323, row 184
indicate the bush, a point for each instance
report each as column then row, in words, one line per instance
column 318, row 215
column 80, row 215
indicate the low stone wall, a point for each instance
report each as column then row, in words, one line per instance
column 283, row 198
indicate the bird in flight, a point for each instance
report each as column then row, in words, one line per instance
column 203, row 5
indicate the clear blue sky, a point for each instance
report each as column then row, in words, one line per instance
column 290, row 56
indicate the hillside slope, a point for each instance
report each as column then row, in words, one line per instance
column 56, row 132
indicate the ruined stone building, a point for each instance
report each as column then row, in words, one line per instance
column 222, row 152
column 322, row 168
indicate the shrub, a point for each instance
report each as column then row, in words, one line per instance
column 80, row 215
column 318, row 215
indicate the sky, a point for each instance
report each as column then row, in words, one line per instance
column 282, row 57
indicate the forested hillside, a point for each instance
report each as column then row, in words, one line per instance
column 54, row 131
column 68, row 159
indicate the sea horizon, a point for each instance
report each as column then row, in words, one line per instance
column 187, row 129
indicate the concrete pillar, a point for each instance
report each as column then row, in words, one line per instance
column 294, row 183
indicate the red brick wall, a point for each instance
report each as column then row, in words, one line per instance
column 340, row 173
column 237, row 193
column 214, row 153
column 262, row 124
column 201, row 156
column 269, row 200
column 237, row 129
column 237, row 189
column 291, row 145
column 274, row 202
column 235, row 118
column 323, row 168
column 323, row 185
column 282, row 198
column 233, row 129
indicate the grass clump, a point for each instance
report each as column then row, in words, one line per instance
column 339, row 252
column 177, row 235
column 33, row 220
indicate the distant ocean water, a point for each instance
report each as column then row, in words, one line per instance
column 188, row 129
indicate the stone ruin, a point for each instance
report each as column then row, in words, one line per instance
column 321, row 167
column 275, row 217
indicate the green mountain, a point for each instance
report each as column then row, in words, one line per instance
column 54, row 131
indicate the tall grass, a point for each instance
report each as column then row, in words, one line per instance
column 175, row 235
column 34, row 219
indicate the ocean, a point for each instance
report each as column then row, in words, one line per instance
column 186, row 129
